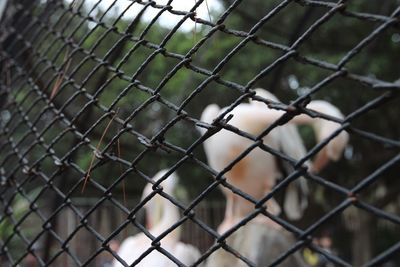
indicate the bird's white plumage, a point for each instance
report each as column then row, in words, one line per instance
column 291, row 144
column 256, row 173
column 323, row 129
column 161, row 214
column 225, row 146
column 133, row 247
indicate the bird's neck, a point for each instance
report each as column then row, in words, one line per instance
column 237, row 208
column 240, row 207
column 169, row 216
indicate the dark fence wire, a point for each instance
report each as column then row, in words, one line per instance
column 27, row 68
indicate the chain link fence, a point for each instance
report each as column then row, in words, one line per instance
column 99, row 96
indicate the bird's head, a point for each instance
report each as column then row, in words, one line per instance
column 208, row 115
column 264, row 94
column 324, row 128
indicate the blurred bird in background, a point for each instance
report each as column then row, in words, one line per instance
column 161, row 214
column 257, row 172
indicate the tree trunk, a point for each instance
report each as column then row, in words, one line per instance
column 361, row 243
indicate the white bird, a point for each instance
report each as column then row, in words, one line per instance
column 257, row 172
column 323, row 129
column 291, row 144
column 160, row 215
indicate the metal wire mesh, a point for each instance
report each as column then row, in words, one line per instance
column 88, row 116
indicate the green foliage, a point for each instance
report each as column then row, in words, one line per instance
column 19, row 208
